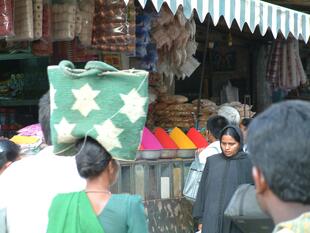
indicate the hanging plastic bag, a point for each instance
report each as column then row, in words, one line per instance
column 23, row 21
column 193, row 178
column 6, row 18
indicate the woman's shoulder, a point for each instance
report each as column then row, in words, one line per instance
column 128, row 198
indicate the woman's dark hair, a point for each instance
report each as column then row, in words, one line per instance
column 91, row 158
column 231, row 131
column 9, row 150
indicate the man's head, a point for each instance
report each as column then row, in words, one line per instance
column 44, row 117
column 9, row 153
column 230, row 113
column 244, row 125
column 279, row 146
column 215, row 124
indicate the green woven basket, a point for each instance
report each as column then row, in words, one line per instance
column 98, row 101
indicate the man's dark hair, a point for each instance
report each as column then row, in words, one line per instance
column 278, row 143
column 3, row 159
column 91, row 158
column 215, row 124
column 9, row 151
column 246, row 122
column 44, row 117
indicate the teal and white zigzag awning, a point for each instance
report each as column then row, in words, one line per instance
column 253, row 12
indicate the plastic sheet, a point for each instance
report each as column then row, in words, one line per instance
column 6, row 18
column 114, row 26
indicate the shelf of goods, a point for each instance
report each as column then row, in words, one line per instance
column 18, row 102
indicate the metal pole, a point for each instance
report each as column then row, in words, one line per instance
column 203, row 70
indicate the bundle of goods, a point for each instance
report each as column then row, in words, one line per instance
column 64, row 20
column 23, row 21
column 44, row 46
column 175, row 40
column 173, row 110
column 243, row 109
column 86, row 12
column 6, row 18
column 114, row 26
column 207, row 109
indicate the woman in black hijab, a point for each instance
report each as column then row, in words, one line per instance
column 222, row 174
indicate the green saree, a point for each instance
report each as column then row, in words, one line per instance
column 73, row 213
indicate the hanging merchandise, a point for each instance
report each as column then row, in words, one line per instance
column 64, row 19
column 175, row 40
column 145, row 49
column 100, row 102
column 23, row 21
column 37, row 19
column 86, row 12
column 285, row 70
column 6, row 18
column 44, row 46
column 114, row 26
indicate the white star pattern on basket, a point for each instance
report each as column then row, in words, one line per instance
column 52, row 98
column 134, row 105
column 64, row 130
column 85, row 102
column 108, row 135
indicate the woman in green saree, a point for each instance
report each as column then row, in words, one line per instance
column 95, row 209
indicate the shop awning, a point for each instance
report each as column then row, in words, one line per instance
column 251, row 12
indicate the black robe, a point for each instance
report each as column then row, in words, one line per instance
column 220, row 179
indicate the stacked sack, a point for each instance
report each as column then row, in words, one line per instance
column 174, row 111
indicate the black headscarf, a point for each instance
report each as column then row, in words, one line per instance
column 238, row 132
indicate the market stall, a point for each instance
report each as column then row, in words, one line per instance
column 157, row 36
